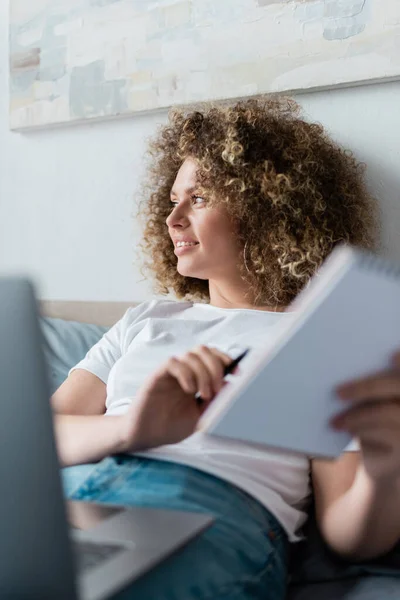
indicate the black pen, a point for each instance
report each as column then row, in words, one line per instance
column 227, row 370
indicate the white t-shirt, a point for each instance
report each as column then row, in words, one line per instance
column 148, row 335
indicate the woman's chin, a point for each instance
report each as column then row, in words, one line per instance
column 188, row 270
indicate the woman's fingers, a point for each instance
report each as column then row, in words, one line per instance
column 184, row 375
column 201, row 373
column 201, row 370
column 373, row 415
column 215, row 361
column 384, row 386
column 396, row 360
column 208, row 367
column 212, row 369
column 225, row 358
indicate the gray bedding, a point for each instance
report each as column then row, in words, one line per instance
column 358, row 588
column 317, row 574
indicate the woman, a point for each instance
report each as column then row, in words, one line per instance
column 243, row 205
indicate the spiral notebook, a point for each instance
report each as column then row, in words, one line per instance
column 345, row 325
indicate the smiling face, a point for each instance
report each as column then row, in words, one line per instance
column 203, row 236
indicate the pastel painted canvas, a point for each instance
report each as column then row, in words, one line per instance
column 77, row 60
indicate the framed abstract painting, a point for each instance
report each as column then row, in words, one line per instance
column 78, row 60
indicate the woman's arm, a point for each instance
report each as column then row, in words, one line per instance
column 82, row 393
column 82, row 432
column 86, row 439
column 358, row 516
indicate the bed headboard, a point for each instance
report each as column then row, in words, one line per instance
column 99, row 313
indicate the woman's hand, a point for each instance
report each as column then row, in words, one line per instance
column 165, row 410
column 374, row 419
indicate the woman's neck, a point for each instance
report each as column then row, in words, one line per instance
column 234, row 296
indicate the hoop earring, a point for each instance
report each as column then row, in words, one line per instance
column 244, row 258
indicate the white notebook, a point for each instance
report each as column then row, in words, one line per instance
column 345, row 325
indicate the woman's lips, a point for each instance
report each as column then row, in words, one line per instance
column 183, row 249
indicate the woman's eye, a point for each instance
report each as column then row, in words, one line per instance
column 197, row 200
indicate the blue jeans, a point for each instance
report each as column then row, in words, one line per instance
column 243, row 555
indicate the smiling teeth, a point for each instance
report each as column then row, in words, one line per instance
column 180, row 244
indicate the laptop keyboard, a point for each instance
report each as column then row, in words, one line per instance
column 90, row 555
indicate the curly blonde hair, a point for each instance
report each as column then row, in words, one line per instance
column 292, row 192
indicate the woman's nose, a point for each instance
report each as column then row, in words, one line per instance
column 176, row 218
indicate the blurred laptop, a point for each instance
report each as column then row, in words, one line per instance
column 42, row 556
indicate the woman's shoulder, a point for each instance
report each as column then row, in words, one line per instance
column 156, row 308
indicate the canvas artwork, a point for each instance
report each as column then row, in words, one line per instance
column 77, row 60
